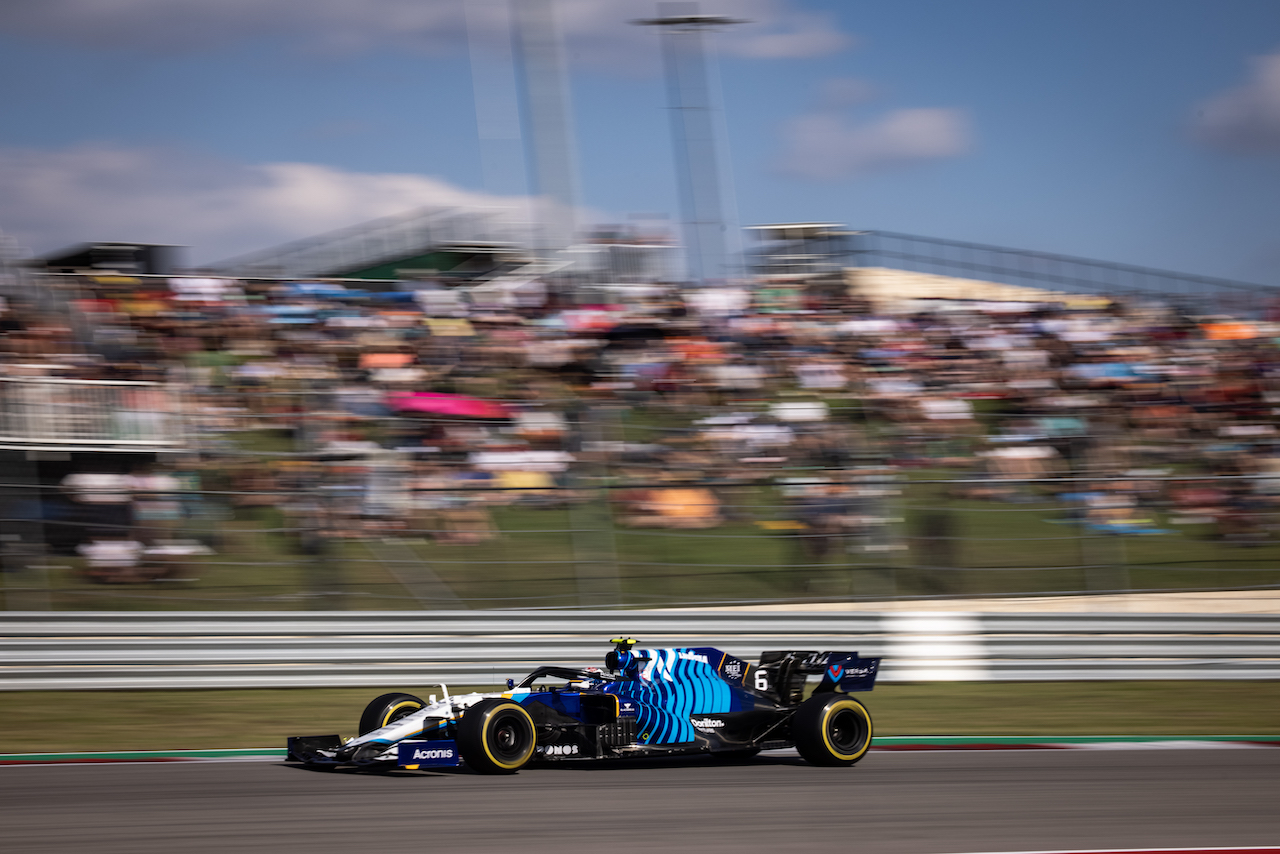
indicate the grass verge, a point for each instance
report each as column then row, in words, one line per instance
column 47, row 721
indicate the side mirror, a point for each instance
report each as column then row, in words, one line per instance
column 511, row 683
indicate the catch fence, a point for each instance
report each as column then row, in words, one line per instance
column 361, row 533
column 296, row 499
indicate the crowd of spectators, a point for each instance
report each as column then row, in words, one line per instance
column 334, row 393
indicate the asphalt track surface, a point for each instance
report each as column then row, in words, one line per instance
column 930, row 802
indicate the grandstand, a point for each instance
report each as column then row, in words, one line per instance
column 1062, row 273
column 450, row 242
column 885, row 263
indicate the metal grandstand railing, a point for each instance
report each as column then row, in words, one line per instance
column 95, row 414
column 383, row 240
column 1201, row 294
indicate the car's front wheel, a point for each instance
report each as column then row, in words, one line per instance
column 831, row 729
column 387, row 709
column 496, row 736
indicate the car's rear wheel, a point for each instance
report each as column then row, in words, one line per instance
column 496, row 736
column 831, row 729
column 388, row 709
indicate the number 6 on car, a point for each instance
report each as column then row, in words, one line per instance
column 644, row 702
column 762, row 680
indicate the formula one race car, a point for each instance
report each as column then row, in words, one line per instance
column 647, row 702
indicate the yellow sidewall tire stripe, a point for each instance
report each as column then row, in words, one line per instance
column 485, row 740
column 390, row 713
column 861, row 712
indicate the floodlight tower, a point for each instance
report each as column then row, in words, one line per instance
column 693, row 126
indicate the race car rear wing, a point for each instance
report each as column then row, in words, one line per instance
column 842, row 672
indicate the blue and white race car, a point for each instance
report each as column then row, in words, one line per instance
column 645, row 702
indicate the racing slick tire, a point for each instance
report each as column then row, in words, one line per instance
column 831, row 730
column 387, row 709
column 496, row 736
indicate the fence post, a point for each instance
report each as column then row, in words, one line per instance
column 885, row 501
column 1122, row 569
column 23, row 552
column 595, row 558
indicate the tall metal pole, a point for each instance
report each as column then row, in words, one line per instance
column 549, row 118
column 493, row 80
column 693, row 126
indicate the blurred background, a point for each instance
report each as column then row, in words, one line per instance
column 444, row 399
column 867, row 416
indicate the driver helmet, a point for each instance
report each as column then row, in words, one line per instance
column 619, row 660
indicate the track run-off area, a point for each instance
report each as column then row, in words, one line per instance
column 912, row 801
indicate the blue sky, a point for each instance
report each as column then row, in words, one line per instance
column 1138, row 131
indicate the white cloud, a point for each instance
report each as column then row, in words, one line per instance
column 183, row 25
column 598, row 32
column 788, row 36
column 827, row 145
column 1245, row 120
column 50, row 199
column 841, row 92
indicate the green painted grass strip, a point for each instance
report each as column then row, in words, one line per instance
column 142, row 755
column 1019, row 740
